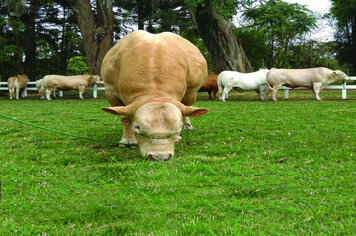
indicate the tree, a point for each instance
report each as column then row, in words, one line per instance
column 15, row 10
column 282, row 23
column 29, row 18
column 345, row 13
column 218, row 34
column 96, row 29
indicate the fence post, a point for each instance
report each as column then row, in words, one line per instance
column 60, row 93
column 286, row 93
column 343, row 91
column 24, row 93
column 95, row 91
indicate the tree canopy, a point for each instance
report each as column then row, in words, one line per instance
column 40, row 37
column 345, row 13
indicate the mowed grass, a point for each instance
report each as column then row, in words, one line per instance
column 248, row 167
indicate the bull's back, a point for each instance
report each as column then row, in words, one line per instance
column 295, row 77
column 64, row 82
column 21, row 82
column 17, row 82
column 144, row 64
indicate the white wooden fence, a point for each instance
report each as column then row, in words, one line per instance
column 31, row 86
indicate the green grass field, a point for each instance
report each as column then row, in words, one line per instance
column 248, row 167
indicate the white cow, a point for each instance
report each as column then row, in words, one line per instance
column 228, row 80
column 41, row 89
column 313, row 78
column 75, row 82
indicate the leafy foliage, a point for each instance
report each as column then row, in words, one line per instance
column 253, row 42
column 345, row 13
column 77, row 65
column 281, row 22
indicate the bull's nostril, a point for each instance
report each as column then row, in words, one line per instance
column 150, row 156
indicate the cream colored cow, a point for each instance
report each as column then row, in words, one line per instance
column 41, row 89
column 75, row 82
column 313, row 78
column 17, row 85
column 151, row 81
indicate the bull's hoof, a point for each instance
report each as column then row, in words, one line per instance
column 128, row 142
column 188, row 127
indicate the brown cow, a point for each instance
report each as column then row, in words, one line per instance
column 210, row 86
column 17, row 85
column 151, row 81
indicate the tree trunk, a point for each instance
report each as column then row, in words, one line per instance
column 63, row 43
column 30, row 42
column 218, row 35
column 353, row 47
column 97, row 32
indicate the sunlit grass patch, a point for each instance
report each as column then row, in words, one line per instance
column 248, row 167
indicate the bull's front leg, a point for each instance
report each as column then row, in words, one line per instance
column 81, row 90
column 48, row 93
column 316, row 90
column 274, row 91
column 128, row 136
column 186, row 123
column 260, row 95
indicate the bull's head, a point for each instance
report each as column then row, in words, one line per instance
column 339, row 75
column 94, row 79
column 156, row 125
column 23, row 76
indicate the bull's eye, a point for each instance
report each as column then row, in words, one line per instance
column 137, row 129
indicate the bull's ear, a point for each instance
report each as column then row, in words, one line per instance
column 120, row 110
column 194, row 111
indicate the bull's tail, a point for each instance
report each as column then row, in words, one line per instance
column 268, row 84
column 220, row 85
column 41, row 91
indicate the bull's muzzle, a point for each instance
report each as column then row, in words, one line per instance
column 160, row 156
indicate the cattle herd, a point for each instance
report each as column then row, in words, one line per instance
column 50, row 83
column 264, row 81
column 152, row 80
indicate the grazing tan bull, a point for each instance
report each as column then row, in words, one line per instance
column 75, row 82
column 313, row 78
column 17, row 85
column 151, row 81
column 210, row 86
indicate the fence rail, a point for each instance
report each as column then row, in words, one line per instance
column 31, row 86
